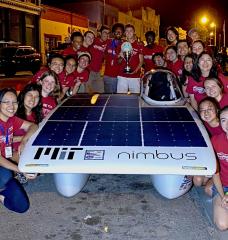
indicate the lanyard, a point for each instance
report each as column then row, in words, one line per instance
column 7, row 133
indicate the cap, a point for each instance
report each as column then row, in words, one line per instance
column 81, row 54
column 192, row 31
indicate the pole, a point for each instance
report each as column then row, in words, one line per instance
column 224, row 34
column 215, row 35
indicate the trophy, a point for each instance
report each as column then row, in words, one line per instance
column 126, row 49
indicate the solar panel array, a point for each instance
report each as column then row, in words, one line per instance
column 118, row 120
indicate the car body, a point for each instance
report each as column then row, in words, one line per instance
column 19, row 58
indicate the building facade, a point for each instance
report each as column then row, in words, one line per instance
column 19, row 22
column 56, row 26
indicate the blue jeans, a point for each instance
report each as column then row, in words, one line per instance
column 16, row 198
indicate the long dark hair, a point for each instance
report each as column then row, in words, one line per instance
column 196, row 72
column 21, row 111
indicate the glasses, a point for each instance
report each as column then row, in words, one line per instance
column 8, row 103
column 57, row 64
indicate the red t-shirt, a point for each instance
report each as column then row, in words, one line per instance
column 224, row 80
column 83, row 49
column 82, row 77
column 147, row 56
column 176, row 67
column 97, row 51
column 7, row 130
column 66, row 80
column 48, row 103
column 220, row 144
column 196, row 88
column 213, row 130
column 36, row 77
column 133, row 62
column 69, row 51
column 111, row 58
column 224, row 101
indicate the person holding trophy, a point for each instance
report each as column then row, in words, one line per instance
column 130, row 60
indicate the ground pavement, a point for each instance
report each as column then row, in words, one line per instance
column 110, row 207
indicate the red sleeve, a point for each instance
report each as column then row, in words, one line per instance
column 17, row 123
column 190, row 85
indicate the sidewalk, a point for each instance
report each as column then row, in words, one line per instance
column 110, row 207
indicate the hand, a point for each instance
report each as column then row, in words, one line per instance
column 30, row 176
column 225, row 201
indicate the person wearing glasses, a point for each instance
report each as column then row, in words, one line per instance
column 12, row 194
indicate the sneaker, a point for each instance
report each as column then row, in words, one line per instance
column 21, row 178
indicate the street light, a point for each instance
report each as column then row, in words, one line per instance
column 213, row 25
column 204, row 20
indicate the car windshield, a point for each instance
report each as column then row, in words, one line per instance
column 7, row 52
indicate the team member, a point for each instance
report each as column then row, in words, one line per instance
column 172, row 36
column 76, row 43
column 97, row 50
column 130, row 82
column 159, row 61
column 111, row 59
column 12, row 194
column 188, row 66
column 214, row 88
column 81, row 74
column 198, row 47
column 182, row 49
column 149, row 50
column 48, row 82
column 208, row 110
column 202, row 69
column 173, row 63
column 69, row 75
column 220, row 201
column 194, row 35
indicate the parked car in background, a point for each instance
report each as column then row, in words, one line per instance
column 19, row 58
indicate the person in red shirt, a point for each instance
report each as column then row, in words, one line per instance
column 97, row 51
column 76, row 41
column 183, row 49
column 208, row 110
column 220, row 179
column 214, row 88
column 202, row 69
column 111, row 59
column 12, row 194
column 172, row 36
column 67, row 82
column 130, row 81
column 81, row 74
column 48, row 82
column 149, row 50
column 173, row 63
column 198, row 47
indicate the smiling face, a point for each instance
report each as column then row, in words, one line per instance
column 8, row 106
column 182, row 49
column 83, row 62
column 48, row 85
column 205, row 64
column 118, row 33
column 130, row 33
column 212, row 89
column 57, row 65
column 77, row 42
column 171, row 55
column 171, row 36
column 188, row 64
column 70, row 65
column 224, row 121
column 105, row 34
column 197, row 48
column 208, row 112
column 31, row 100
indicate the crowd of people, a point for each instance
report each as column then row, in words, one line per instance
column 78, row 70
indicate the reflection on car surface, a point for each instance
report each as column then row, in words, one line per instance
column 19, row 58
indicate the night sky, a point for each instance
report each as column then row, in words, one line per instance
column 181, row 13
